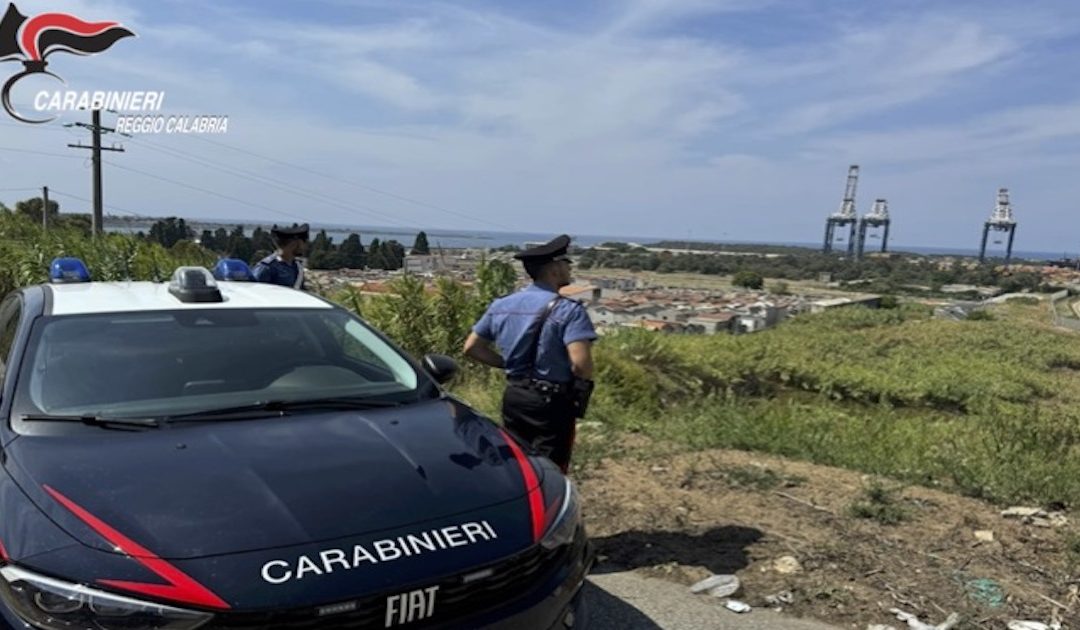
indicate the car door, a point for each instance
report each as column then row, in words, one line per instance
column 10, row 310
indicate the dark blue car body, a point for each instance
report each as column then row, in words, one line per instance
column 318, row 521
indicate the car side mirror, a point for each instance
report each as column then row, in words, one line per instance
column 441, row 367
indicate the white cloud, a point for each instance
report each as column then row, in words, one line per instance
column 625, row 122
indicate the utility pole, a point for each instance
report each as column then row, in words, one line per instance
column 45, row 207
column 96, row 129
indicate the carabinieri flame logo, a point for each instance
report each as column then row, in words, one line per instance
column 32, row 40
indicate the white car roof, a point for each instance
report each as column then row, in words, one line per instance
column 118, row 297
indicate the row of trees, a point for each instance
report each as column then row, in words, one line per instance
column 323, row 253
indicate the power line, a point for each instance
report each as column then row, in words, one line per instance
column 205, row 190
column 352, row 183
column 267, row 181
column 109, row 206
column 59, row 155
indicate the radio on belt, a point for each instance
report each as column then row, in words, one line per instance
column 194, row 284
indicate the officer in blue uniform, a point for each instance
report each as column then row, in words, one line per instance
column 544, row 344
column 283, row 267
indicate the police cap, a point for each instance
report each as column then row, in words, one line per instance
column 543, row 253
column 289, row 233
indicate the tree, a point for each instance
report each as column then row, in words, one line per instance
column 31, row 209
column 393, row 254
column 323, row 254
column 352, row 253
column 420, row 245
column 206, row 239
column 262, row 241
column 748, row 280
column 221, row 239
column 170, row 231
column 375, row 255
column 240, row 245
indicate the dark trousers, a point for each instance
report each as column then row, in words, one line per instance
column 542, row 420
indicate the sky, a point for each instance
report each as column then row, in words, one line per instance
column 707, row 119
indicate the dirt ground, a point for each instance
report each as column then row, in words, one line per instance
column 684, row 517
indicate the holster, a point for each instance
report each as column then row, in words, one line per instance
column 580, row 392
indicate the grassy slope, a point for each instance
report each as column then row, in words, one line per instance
column 987, row 408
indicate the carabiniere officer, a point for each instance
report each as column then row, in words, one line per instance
column 283, row 267
column 544, row 344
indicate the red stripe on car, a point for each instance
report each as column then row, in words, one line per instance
column 181, row 587
column 532, row 485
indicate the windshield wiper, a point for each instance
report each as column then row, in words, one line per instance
column 98, row 421
column 278, row 408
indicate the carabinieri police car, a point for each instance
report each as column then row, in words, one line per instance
column 205, row 454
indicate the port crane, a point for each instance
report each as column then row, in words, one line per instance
column 845, row 216
column 877, row 217
column 1001, row 220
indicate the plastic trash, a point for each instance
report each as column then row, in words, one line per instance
column 787, row 565
column 783, row 597
column 737, row 606
column 914, row 623
column 1032, row 625
column 986, row 591
column 717, row 585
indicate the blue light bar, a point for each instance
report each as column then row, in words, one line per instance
column 233, row 269
column 66, row 270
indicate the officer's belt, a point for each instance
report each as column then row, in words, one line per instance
column 546, row 387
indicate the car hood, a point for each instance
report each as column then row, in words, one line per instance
column 190, row 491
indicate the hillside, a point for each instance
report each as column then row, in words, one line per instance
column 847, row 440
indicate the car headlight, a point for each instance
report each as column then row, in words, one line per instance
column 52, row 604
column 564, row 524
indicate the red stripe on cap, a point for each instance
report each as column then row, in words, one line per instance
column 181, row 587
column 532, row 485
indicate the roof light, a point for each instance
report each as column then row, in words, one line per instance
column 233, row 269
column 65, row 270
column 194, row 284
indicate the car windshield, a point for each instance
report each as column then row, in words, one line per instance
column 153, row 364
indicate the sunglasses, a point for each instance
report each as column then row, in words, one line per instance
column 565, row 259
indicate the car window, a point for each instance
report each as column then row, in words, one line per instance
column 171, row 362
column 9, row 322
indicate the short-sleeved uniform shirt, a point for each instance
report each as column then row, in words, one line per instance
column 274, row 270
column 508, row 319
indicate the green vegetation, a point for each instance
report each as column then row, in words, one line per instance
column 987, row 408
column 878, row 274
column 880, row 502
column 748, row 280
column 425, row 319
column 26, row 250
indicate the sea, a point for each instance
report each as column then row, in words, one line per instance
column 459, row 239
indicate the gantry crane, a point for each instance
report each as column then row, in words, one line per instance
column 877, row 217
column 1001, row 220
column 845, row 216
